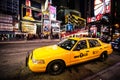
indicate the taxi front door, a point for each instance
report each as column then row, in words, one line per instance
column 80, row 53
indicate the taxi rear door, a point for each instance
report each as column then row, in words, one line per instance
column 95, row 48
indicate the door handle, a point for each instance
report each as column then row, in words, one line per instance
column 87, row 51
column 100, row 48
column 76, row 56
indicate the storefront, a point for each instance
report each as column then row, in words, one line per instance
column 100, row 23
column 31, row 19
column 31, row 29
column 98, row 28
column 55, row 27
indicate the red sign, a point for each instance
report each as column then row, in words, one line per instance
column 88, row 20
column 99, row 16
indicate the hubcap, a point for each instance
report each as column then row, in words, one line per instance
column 103, row 56
column 56, row 67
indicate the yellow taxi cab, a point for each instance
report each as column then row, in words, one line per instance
column 55, row 58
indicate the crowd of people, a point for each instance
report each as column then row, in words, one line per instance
column 5, row 37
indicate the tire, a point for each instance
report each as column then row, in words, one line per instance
column 103, row 56
column 56, row 67
column 26, row 59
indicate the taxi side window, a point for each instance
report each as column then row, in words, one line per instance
column 94, row 43
column 81, row 45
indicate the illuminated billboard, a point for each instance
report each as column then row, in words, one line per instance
column 6, row 22
column 46, row 27
column 29, row 27
column 101, row 7
column 52, row 11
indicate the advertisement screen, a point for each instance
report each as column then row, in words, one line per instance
column 69, row 27
column 35, row 14
column 29, row 27
column 55, row 27
column 46, row 27
column 52, row 12
column 6, row 22
column 102, row 7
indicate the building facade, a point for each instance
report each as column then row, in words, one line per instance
column 15, row 14
column 9, row 12
column 103, row 20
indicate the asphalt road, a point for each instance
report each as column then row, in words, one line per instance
column 12, row 63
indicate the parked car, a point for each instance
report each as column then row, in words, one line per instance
column 116, row 44
column 55, row 58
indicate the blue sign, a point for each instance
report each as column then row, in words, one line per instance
column 69, row 27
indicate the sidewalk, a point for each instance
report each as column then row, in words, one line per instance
column 28, row 41
column 111, row 73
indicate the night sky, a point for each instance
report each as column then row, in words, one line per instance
column 70, row 4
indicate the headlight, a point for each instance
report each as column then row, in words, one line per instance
column 38, row 61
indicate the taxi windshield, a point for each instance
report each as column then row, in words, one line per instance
column 67, row 44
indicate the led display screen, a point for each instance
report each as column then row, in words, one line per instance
column 102, row 7
column 69, row 27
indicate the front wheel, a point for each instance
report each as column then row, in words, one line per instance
column 56, row 67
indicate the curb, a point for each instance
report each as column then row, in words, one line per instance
column 29, row 41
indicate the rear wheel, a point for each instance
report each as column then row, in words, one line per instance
column 103, row 56
column 56, row 67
